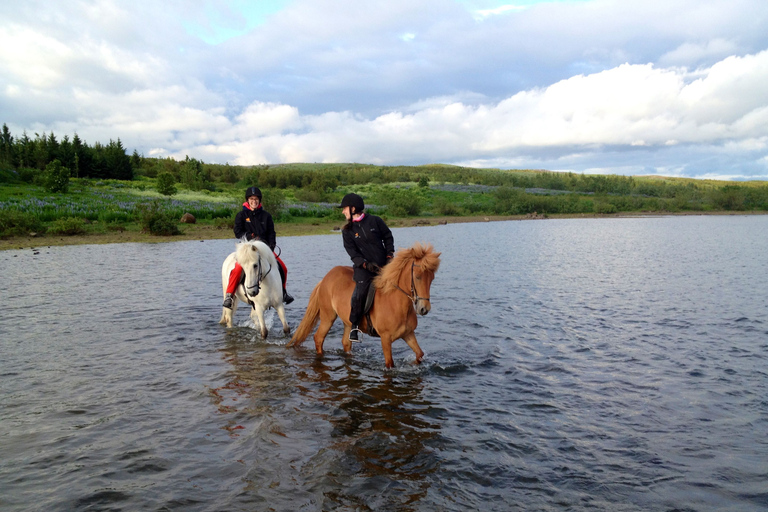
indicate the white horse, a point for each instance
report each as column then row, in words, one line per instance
column 262, row 289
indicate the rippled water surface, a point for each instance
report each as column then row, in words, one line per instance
column 617, row 364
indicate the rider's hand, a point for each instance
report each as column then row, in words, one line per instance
column 372, row 267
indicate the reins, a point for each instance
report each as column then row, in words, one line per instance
column 414, row 296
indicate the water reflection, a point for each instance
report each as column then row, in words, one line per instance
column 379, row 431
column 259, row 376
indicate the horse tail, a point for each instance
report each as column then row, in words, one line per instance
column 311, row 317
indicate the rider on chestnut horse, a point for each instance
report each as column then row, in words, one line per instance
column 370, row 244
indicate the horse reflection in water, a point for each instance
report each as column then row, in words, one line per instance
column 379, row 451
column 312, row 434
column 402, row 291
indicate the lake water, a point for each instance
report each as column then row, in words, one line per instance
column 585, row 364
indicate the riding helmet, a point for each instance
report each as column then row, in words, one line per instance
column 252, row 191
column 353, row 200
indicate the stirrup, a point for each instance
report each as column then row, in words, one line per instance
column 353, row 336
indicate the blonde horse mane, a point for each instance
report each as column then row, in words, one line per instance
column 244, row 253
column 420, row 254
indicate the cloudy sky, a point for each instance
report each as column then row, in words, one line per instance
column 669, row 87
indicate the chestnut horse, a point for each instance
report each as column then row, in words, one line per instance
column 402, row 290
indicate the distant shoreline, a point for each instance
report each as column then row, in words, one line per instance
column 204, row 232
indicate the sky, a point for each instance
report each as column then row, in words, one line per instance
column 646, row 87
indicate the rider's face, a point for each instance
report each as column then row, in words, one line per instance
column 253, row 202
column 347, row 213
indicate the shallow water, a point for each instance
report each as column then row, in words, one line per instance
column 615, row 364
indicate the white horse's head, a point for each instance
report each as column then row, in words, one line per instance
column 253, row 257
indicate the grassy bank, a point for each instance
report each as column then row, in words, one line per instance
column 302, row 199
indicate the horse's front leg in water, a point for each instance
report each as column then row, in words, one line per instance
column 410, row 339
column 386, row 347
column 281, row 313
column 260, row 317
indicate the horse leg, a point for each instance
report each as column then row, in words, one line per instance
column 281, row 313
column 386, row 347
column 345, row 338
column 326, row 321
column 259, row 314
column 227, row 315
column 410, row 339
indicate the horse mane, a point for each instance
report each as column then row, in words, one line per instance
column 421, row 254
column 244, row 254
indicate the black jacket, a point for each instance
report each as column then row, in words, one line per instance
column 368, row 240
column 255, row 224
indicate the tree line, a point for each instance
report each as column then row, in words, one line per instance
column 48, row 160
column 28, row 156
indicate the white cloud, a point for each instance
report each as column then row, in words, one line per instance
column 566, row 85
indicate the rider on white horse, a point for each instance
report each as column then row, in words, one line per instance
column 254, row 223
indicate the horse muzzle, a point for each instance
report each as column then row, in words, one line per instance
column 254, row 291
column 423, row 306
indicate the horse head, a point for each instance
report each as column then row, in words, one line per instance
column 248, row 255
column 412, row 271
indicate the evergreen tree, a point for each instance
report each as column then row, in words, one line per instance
column 82, row 159
column 117, row 162
column 6, row 148
column 25, row 150
column 67, row 153
column 135, row 161
column 166, row 184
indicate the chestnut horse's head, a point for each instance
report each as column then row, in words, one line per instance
column 411, row 271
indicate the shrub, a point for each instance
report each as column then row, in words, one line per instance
column 56, row 177
column 8, row 176
column 399, row 202
column 443, row 206
column 603, row 206
column 16, row 223
column 166, row 184
column 70, row 226
column 155, row 221
column 273, row 201
column 508, row 200
column 111, row 217
column 27, row 175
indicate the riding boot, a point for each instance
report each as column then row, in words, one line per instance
column 228, row 301
column 287, row 298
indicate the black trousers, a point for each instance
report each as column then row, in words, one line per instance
column 358, row 299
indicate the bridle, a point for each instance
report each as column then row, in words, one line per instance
column 414, row 296
column 258, row 281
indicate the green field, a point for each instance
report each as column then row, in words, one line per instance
column 306, row 194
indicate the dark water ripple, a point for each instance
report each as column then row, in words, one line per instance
column 571, row 365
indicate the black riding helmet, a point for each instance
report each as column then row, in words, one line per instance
column 353, row 200
column 252, row 191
